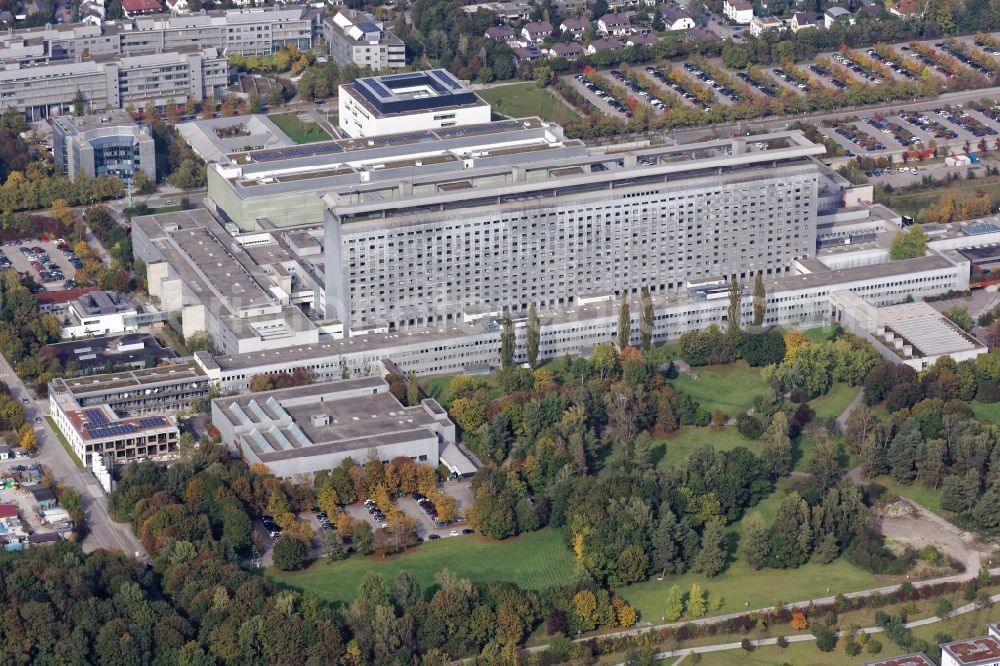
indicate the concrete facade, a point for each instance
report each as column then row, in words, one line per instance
column 160, row 79
column 103, row 143
column 310, row 428
column 247, row 32
column 356, row 38
column 138, row 392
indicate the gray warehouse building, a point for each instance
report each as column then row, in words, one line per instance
column 103, row 143
column 309, row 428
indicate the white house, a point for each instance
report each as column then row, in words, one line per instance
column 802, row 20
column 606, row 44
column 761, row 23
column 676, row 19
column 536, row 31
column 574, row 26
column 834, row 14
column 614, row 24
column 738, row 11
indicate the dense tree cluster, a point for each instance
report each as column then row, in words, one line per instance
column 809, row 369
column 445, row 33
column 24, row 332
column 931, row 437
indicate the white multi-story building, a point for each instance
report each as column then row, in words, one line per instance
column 98, row 431
column 411, row 102
column 355, row 38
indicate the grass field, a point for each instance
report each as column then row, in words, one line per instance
column 912, row 202
column 679, row 445
column 298, row 131
column 521, row 100
column 986, row 411
column 832, row 404
column 820, row 333
column 534, row 561
column 739, row 585
column 729, row 388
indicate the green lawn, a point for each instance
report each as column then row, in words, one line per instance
column 909, row 203
column 986, row 411
column 298, row 131
column 739, row 584
column 730, row 388
column 918, row 492
column 832, row 404
column 523, row 100
column 679, row 445
column 536, row 560
column 820, row 333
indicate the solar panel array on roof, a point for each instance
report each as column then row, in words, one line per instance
column 152, row 422
column 446, row 79
column 401, row 77
column 308, row 150
column 95, row 417
column 113, row 430
column 367, row 26
column 377, row 87
column 977, row 229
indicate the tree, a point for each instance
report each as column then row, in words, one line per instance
column 777, row 451
column 289, row 553
column 799, row 621
column 345, row 372
column 759, row 299
column 696, row 601
column 62, row 213
column 711, row 558
column 986, row 512
column 534, row 335
column 332, row 546
column 412, row 389
column 507, row 341
column 675, row 604
column 909, row 244
column 362, row 538
column 942, row 607
column 142, row 184
column 873, row 647
column 79, row 103
column 646, row 321
column 756, row 541
column 624, row 323
column 826, row 639
column 852, row 648
column 959, row 315
column 733, row 313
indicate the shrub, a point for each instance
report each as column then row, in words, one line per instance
column 988, row 392
column 749, row 426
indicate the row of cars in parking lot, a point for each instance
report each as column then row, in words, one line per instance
column 605, row 95
column 41, row 262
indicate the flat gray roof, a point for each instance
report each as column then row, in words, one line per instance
column 321, row 418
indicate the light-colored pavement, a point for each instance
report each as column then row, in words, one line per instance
column 102, row 531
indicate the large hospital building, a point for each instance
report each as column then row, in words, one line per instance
column 408, row 246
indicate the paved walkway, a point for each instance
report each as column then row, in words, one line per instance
column 801, row 638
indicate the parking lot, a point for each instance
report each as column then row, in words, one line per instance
column 51, row 263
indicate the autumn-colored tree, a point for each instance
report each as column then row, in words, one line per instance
column 696, row 601
column 625, row 615
column 799, row 621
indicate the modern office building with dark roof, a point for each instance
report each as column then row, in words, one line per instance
column 408, row 102
column 99, row 431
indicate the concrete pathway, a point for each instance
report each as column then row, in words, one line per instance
column 801, row 638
